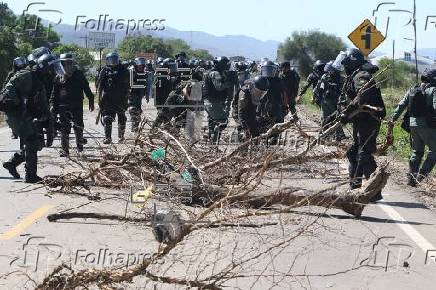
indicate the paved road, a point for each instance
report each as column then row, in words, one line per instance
column 392, row 246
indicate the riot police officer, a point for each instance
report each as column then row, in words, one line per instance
column 150, row 80
column 48, row 80
column 137, row 91
column 363, row 93
column 218, row 96
column 271, row 106
column 113, row 89
column 249, row 98
column 327, row 93
column 290, row 81
column 314, row 77
column 165, row 80
column 25, row 104
column 182, row 60
column 420, row 102
column 18, row 63
column 243, row 74
column 67, row 102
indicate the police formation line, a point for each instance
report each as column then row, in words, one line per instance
column 43, row 95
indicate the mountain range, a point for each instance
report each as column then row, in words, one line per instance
column 228, row 45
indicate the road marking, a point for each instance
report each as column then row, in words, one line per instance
column 408, row 229
column 4, row 130
column 26, row 222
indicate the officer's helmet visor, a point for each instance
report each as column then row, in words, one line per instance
column 19, row 62
column 112, row 60
column 140, row 61
column 57, row 67
column 67, row 64
column 338, row 63
column 268, row 71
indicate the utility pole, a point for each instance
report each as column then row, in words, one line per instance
column 393, row 64
column 414, row 29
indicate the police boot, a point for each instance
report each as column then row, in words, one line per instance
column 376, row 197
column 107, row 133
column 31, row 167
column 413, row 172
column 79, row 139
column 426, row 167
column 12, row 164
column 121, row 129
column 65, row 144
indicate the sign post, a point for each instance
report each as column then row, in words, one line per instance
column 366, row 37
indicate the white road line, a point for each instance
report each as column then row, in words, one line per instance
column 4, row 130
column 407, row 228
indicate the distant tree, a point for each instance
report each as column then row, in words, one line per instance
column 17, row 39
column 8, row 51
column 82, row 56
column 200, row 54
column 177, row 45
column 398, row 74
column 305, row 47
column 130, row 46
column 37, row 35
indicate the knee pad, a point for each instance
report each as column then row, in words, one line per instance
column 107, row 119
column 132, row 111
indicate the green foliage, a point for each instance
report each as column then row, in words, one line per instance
column 130, row 46
column 8, row 51
column 81, row 55
column 306, row 47
column 200, row 54
column 398, row 74
column 179, row 45
column 17, row 40
column 38, row 36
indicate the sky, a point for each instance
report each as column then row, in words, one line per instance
column 262, row 19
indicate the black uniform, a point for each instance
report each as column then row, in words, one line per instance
column 290, row 82
column 271, row 107
column 327, row 94
column 312, row 80
column 67, row 101
column 136, row 94
column 366, row 125
column 27, row 91
column 164, row 86
column 247, row 113
column 175, row 108
column 114, row 85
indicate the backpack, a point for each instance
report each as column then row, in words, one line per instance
column 431, row 114
column 421, row 106
column 9, row 96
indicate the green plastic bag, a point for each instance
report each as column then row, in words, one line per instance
column 186, row 176
column 158, row 154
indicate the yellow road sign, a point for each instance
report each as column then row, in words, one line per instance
column 366, row 37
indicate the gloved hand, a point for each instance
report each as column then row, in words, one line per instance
column 343, row 118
